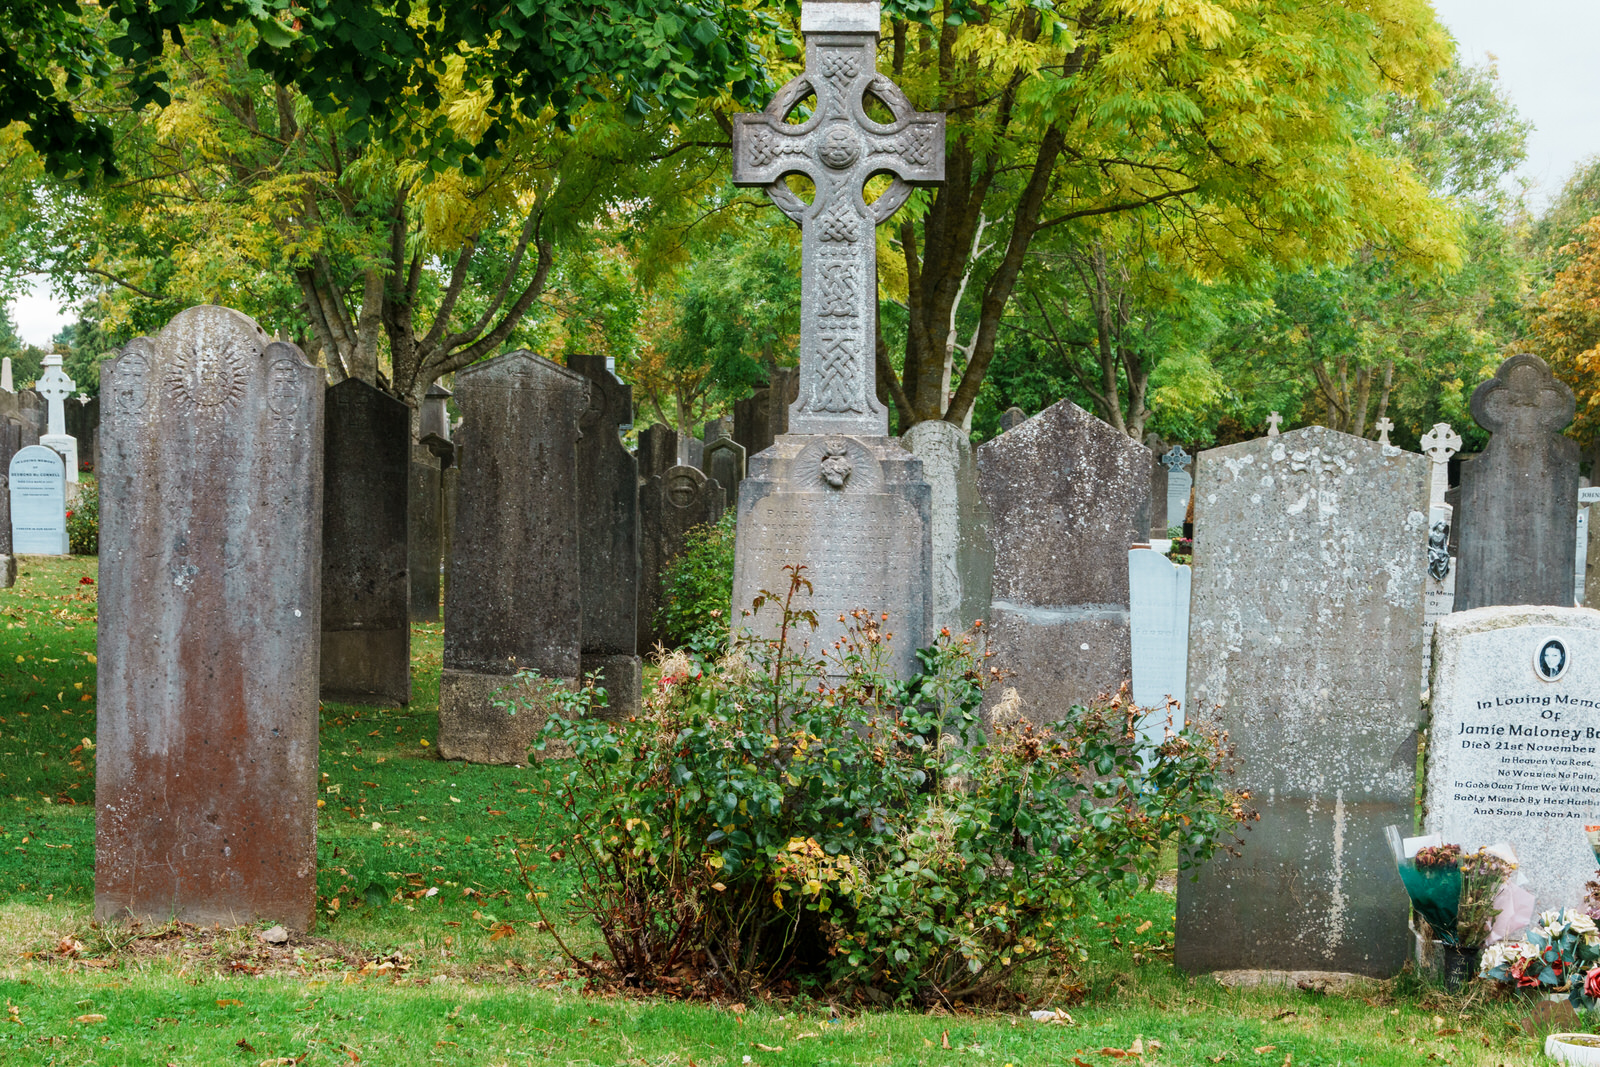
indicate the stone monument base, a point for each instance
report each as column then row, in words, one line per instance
column 473, row 728
column 622, row 677
column 856, row 512
column 366, row 666
column 1059, row 656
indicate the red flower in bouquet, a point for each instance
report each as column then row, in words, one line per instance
column 1519, row 971
column 1591, row 984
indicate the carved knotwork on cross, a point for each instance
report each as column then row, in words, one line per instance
column 838, row 147
column 1176, row 459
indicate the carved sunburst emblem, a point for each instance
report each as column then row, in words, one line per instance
column 206, row 379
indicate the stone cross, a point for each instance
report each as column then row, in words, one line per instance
column 56, row 387
column 1273, row 422
column 1439, row 445
column 1383, row 426
column 838, row 148
column 1176, row 458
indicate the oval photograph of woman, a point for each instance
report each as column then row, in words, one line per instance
column 1550, row 662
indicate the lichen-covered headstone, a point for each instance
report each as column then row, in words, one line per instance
column 1067, row 495
column 366, row 464
column 963, row 554
column 1519, row 496
column 210, row 603
column 1514, row 744
column 514, row 600
column 10, row 445
column 608, row 537
column 1305, row 645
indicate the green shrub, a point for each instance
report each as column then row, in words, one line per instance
column 768, row 818
column 697, row 590
column 83, row 521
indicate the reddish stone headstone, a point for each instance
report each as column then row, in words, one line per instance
column 210, row 605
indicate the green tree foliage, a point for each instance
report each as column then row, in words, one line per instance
column 385, row 65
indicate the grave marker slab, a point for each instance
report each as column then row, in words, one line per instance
column 725, row 462
column 10, row 445
column 38, row 484
column 658, row 450
column 366, row 590
column 670, row 505
column 1067, row 494
column 1158, row 614
column 210, row 602
column 963, row 554
column 763, row 417
column 1515, row 751
column 1180, row 483
column 1305, row 645
column 1519, row 497
column 514, row 600
column 425, row 533
column 608, row 537
column 1011, row 418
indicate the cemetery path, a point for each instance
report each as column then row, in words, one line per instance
column 428, row 950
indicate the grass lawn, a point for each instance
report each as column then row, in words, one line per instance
column 466, row 974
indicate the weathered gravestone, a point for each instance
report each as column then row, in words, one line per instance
column 963, row 554
column 38, row 489
column 514, row 600
column 210, row 567
column 725, row 463
column 10, row 445
column 1591, row 559
column 1067, row 494
column 1180, row 483
column 1305, row 644
column 5, row 375
column 608, row 537
column 1519, row 497
column 1514, row 753
column 35, row 412
column 425, row 533
column 836, row 493
column 1158, row 488
column 1011, row 418
column 366, row 467
column 658, row 451
column 434, row 415
column 1158, row 622
column 763, row 417
column 670, row 505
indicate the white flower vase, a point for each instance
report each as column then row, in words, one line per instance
column 1582, row 1050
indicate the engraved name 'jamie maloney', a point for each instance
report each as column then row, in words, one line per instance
column 1536, row 767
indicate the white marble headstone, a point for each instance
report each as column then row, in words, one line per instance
column 1158, row 615
column 38, row 502
column 1515, row 740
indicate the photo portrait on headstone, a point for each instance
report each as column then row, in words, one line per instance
column 1551, row 662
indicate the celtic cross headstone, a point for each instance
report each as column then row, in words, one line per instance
column 835, row 493
column 838, row 147
column 56, row 387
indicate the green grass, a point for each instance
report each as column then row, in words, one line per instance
column 466, row 976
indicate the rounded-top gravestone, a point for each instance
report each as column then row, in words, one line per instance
column 38, row 484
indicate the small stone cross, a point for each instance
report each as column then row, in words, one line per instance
column 1439, row 444
column 838, row 147
column 1383, row 426
column 1176, row 459
column 56, row 387
column 1273, row 422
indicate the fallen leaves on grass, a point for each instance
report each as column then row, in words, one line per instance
column 92, row 1018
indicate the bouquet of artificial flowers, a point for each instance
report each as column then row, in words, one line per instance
column 1559, row 953
column 1458, row 895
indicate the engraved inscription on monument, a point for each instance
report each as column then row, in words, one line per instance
column 1515, row 753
